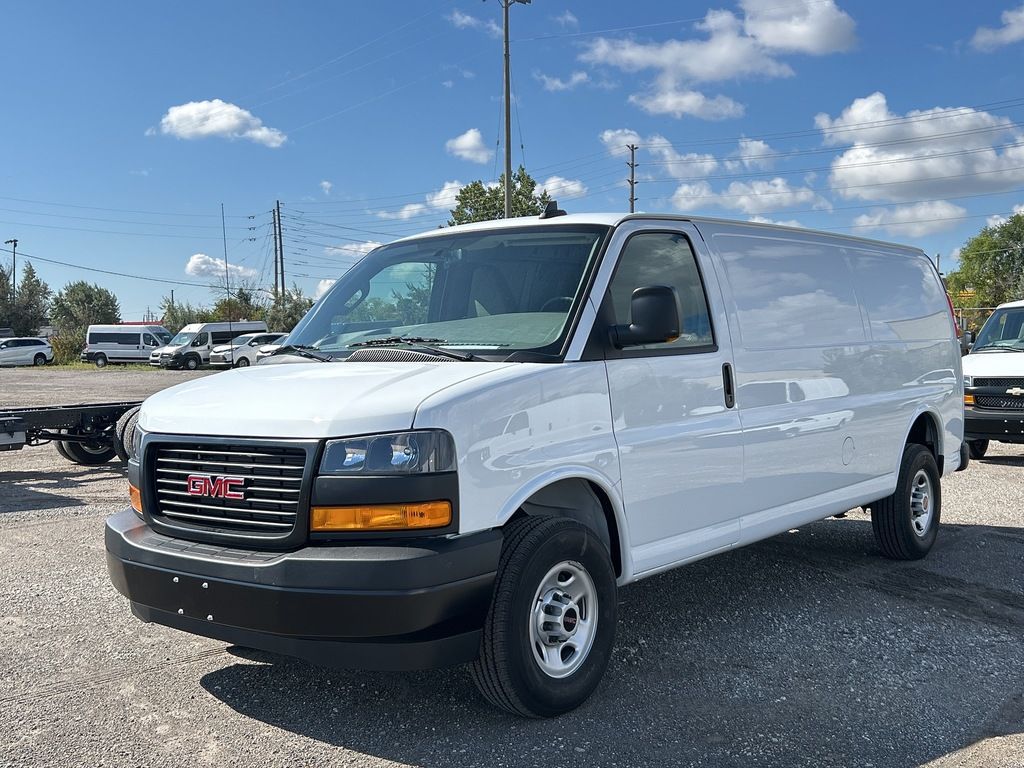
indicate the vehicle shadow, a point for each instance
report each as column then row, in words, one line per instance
column 808, row 649
column 1006, row 461
column 29, row 491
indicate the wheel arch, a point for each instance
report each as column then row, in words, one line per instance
column 926, row 430
column 581, row 495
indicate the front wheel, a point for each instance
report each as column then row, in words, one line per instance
column 550, row 629
column 192, row 362
column 978, row 448
column 243, row 362
column 907, row 523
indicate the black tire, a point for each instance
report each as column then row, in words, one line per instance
column 101, row 361
column 123, row 432
column 192, row 363
column 39, row 359
column 507, row 672
column 88, row 454
column 243, row 362
column 59, row 445
column 895, row 519
column 977, row 448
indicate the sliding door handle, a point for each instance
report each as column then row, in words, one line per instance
column 728, row 385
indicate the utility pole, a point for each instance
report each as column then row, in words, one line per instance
column 227, row 273
column 280, row 246
column 13, row 242
column 172, row 298
column 938, row 263
column 632, row 177
column 505, row 5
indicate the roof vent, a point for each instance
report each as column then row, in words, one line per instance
column 552, row 210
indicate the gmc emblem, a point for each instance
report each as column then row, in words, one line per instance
column 217, row 487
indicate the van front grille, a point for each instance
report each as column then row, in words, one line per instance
column 1000, row 402
column 988, row 381
column 228, row 488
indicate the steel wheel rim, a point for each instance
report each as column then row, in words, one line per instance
column 922, row 503
column 563, row 619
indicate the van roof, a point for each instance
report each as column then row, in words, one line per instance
column 1011, row 305
column 614, row 219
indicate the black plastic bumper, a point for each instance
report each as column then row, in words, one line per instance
column 1004, row 426
column 414, row 604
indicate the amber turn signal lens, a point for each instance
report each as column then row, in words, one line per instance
column 968, row 399
column 382, row 517
column 136, row 497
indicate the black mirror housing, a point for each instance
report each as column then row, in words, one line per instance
column 654, row 318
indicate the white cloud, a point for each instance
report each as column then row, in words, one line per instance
column 813, row 27
column 914, row 220
column 448, row 83
column 731, row 48
column 561, row 188
column 752, row 154
column 323, row 286
column 462, row 20
column 673, row 163
column 352, row 250
column 930, row 153
column 201, row 265
column 750, row 197
column 439, row 200
column 566, row 20
column 1012, row 31
column 470, row 146
column 203, row 119
column 998, row 219
column 326, row 186
column 766, row 220
column 557, row 84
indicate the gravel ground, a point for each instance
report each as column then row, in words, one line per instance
column 808, row 649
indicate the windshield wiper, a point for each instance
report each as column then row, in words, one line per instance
column 301, row 350
column 998, row 348
column 417, row 342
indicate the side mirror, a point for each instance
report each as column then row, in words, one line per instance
column 654, row 318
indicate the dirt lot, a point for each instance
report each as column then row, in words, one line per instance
column 807, row 649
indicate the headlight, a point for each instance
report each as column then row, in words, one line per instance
column 968, row 382
column 401, row 453
column 134, row 445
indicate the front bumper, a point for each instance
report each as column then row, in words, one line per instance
column 220, row 360
column 985, row 424
column 409, row 604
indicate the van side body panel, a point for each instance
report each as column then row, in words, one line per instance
column 838, row 348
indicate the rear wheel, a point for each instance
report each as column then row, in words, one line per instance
column 101, row 361
column 550, row 629
column 243, row 362
column 124, row 431
column 90, row 453
column 59, row 445
column 907, row 523
column 978, row 448
column 39, row 359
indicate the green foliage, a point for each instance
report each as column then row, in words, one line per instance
column 26, row 313
column 67, row 345
column 180, row 313
column 478, row 202
column 243, row 305
column 991, row 265
column 81, row 304
column 288, row 309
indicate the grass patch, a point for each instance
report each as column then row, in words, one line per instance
column 78, row 365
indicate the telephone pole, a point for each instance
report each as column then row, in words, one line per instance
column 13, row 242
column 276, row 227
column 280, row 246
column 632, row 177
column 505, row 5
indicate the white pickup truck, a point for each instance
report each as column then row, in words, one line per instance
column 483, row 431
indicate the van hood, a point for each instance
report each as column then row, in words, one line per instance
column 994, row 364
column 307, row 400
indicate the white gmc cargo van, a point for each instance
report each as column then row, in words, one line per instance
column 483, row 431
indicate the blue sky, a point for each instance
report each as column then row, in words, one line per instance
column 126, row 125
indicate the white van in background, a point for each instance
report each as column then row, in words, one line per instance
column 485, row 430
column 242, row 350
column 122, row 343
column 191, row 346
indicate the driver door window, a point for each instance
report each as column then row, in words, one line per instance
column 201, row 340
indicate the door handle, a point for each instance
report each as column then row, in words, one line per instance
column 728, row 385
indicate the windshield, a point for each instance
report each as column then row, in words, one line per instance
column 494, row 292
column 181, row 339
column 245, row 338
column 1004, row 330
column 163, row 336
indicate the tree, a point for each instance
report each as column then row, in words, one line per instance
column 243, row 305
column 178, row 314
column 991, row 266
column 6, row 305
column 482, row 202
column 81, row 304
column 288, row 309
column 31, row 303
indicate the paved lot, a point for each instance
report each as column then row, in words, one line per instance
column 805, row 650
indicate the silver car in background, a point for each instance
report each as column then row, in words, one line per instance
column 242, row 351
column 25, row 351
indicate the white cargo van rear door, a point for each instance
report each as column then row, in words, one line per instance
column 679, row 438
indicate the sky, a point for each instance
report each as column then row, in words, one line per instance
column 124, row 126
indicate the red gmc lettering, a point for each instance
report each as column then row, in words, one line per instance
column 216, row 487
